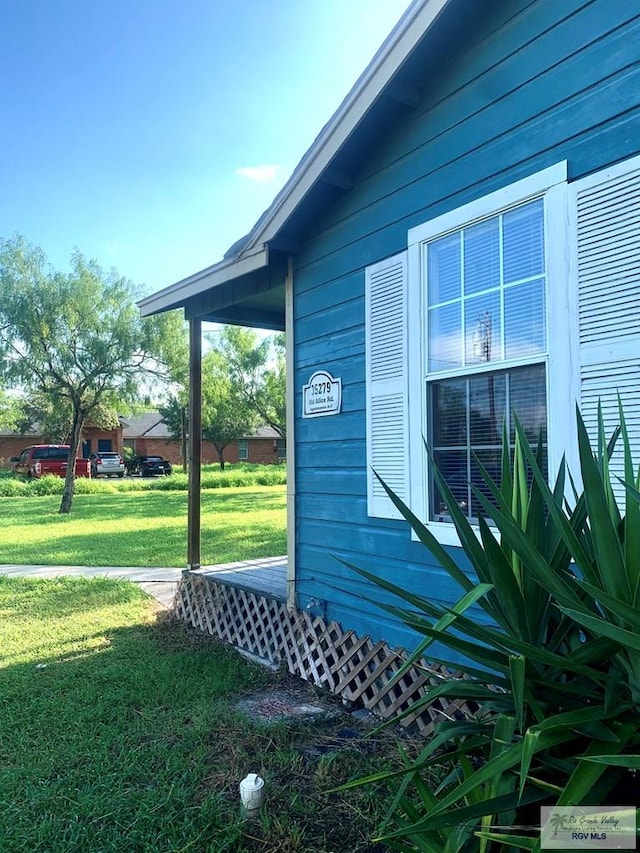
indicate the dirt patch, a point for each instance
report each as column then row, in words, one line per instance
column 293, row 703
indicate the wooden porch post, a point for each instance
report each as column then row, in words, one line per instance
column 195, row 442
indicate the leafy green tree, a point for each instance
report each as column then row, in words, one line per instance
column 52, row 417
column 48, row 415
column 257, row 369
column 77, row 338
column 11, row 411
column 175, row 415
column 226, row 413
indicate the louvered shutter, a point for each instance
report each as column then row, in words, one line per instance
column 608, row 231
column 386, row 369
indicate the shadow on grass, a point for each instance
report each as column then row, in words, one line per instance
column 118, row 735
column 105, row 748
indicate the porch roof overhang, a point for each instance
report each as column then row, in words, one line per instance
column 247, row 287
column 246, row 291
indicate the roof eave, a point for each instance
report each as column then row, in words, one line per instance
column 177, row 294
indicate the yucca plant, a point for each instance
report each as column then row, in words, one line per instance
column 555, row 673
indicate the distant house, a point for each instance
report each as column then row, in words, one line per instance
column 148, row 435
column 94, row 439
column 460, row 242
column 11, row 444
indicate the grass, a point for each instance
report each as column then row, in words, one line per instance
column 143, row 528
column 234, row 476
column 119, row 732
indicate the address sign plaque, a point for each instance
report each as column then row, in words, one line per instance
column 321, row 396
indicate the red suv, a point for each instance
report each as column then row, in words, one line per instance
column 41, row 459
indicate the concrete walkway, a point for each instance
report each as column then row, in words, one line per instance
column 158, row 582
column 266, row 576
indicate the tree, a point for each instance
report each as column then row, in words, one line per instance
column 175, row 415
column 257, row 369
column 52, row 416
column 11, row 411
column 226, row 414
column 77, row 339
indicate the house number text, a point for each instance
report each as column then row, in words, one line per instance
column 322, row 395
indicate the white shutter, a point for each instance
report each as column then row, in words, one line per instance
column 608, row 241
column 386, row 373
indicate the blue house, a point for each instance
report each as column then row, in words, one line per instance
column 460, row 242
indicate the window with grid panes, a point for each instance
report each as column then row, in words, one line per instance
column 486, row 346
column 475, row 325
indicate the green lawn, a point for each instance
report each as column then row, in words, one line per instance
column 119, row 733
column 147, row 528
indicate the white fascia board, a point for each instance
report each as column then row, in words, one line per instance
column 177, row 294
column 416, row 21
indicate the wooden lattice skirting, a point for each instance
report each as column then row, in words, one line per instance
column 355, row 668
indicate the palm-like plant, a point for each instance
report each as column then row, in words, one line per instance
column 554, row 667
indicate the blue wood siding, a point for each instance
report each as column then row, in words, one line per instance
column 537, row 83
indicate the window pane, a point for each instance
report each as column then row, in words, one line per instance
column 445, row 344
column 452, row 464
column 482, row 256
column 60, row 455
column 481, row 401
column 444, row 266
column 524, row 319
column 528, row 400
column 487, row 408
column 523, row 242
column 482, row 328
column 449, row 413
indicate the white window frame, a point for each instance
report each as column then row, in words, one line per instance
column 561, row 360
column 243, row 443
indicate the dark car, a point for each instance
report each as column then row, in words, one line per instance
column 149, row 466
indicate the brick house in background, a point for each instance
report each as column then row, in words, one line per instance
column 12, row 444
column 148, row 435
column 95, row 439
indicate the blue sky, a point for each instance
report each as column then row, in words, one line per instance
column 151, row 134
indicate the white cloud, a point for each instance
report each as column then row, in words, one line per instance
column 259, row 173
